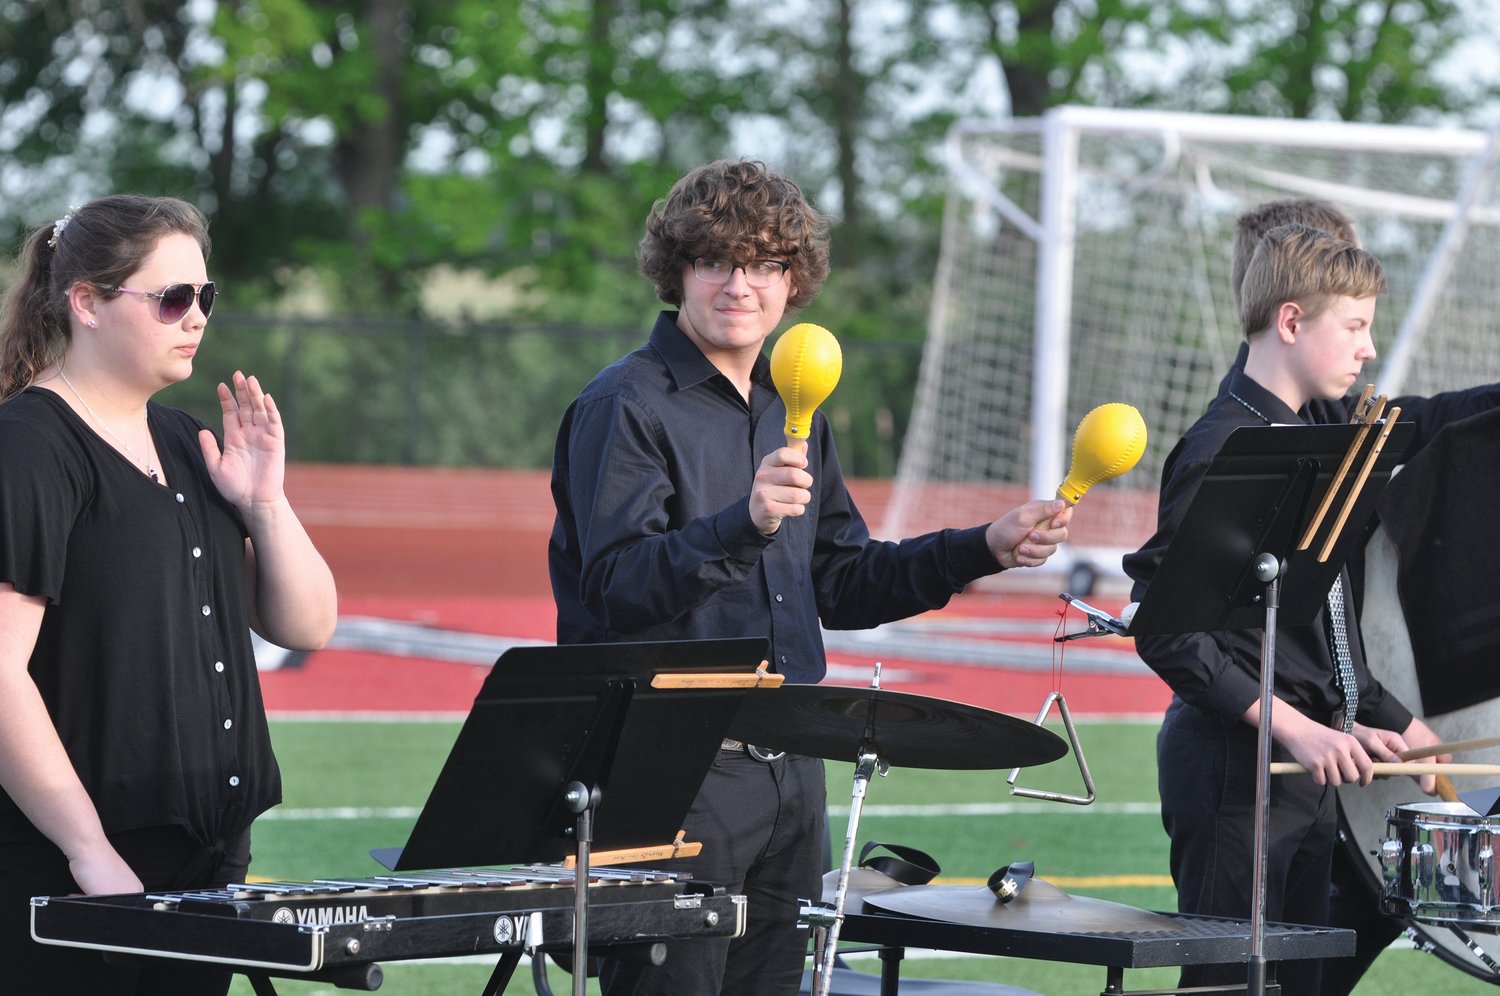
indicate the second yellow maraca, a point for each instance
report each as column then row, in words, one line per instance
column 1109, row 441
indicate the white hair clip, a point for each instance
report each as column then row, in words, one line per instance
column 61, row 225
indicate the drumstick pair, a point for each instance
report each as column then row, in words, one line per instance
column 1366, row 415
column 1408, row 765
column 1402, row 768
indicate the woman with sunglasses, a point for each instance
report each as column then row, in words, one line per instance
column 137, row 551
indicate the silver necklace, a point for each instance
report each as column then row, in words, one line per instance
column 134, row 456
column 1253, row 410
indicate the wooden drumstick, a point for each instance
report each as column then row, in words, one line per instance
column 1364, row 414
column 1402, row 768
column 1359, row 482
column 1445, row 789
column 1457, row 747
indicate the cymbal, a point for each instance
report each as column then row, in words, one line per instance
column 914, row 731
column 862, row 882
column 1039, row 906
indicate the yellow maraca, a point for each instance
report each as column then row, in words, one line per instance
column 1109, row 441
column 805, row 364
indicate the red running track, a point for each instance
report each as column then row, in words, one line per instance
column 465, row 550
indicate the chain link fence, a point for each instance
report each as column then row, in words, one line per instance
column 374, row 391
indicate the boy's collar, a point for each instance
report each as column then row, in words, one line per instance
column 686, row 363
column 1246, row 391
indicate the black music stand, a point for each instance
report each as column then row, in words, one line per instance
column 1233, row 564
column 570, row 747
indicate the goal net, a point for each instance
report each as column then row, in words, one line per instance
column 1085, row 259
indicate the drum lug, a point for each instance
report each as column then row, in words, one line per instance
column 1424, row 865
column 1390, row 866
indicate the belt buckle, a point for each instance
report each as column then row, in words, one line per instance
column 762, row 754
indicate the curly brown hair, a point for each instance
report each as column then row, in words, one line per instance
column 741, row 210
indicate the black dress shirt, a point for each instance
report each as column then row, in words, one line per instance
column 653, row 538
column 1219, row 672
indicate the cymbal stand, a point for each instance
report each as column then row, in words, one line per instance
column 826, row 922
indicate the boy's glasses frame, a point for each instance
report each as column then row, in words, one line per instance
column 759, row 273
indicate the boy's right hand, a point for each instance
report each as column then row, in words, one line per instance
column 782, row 488
column 1331, row 756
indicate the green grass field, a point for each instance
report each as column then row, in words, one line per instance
column 353, row 786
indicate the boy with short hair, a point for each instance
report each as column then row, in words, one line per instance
column 1307, row 308
column 1255, row 222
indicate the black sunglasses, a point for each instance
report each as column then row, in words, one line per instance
column 174, row 300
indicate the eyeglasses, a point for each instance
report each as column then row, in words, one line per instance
column 174, row 300
column 759, row 273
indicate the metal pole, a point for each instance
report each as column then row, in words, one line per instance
column 583, row 800
column 1267, row 570
column 863, row 769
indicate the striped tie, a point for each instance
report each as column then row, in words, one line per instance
column 1342, row 660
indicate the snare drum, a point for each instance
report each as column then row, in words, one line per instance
column 1437, row 865
column 1364, row 810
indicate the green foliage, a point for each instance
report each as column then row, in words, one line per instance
column 365, row 147
column 1351, row 59
column 881, row 330
column 487, row 394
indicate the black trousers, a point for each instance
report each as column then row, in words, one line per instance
column 762, row 826
column 1206, row 776
column 163, row 858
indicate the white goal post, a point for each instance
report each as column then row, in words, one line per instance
column 1085, row 259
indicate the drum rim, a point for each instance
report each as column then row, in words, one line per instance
column 1455, row 810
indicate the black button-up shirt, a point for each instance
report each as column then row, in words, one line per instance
column 143, row 657
column 653, row 538
column 1220, row 672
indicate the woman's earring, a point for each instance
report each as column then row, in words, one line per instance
column 91, row 324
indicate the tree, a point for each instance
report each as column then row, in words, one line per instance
column 361, row 115
column 65, row 72
column 1357, row 60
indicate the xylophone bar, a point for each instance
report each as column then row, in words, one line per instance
column 325, row 901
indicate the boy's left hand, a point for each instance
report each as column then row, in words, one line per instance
column 1028, row 535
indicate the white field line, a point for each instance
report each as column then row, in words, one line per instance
column 936, row 811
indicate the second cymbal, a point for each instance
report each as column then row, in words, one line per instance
column 915, row 731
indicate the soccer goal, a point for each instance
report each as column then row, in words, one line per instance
column 1085, row 259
